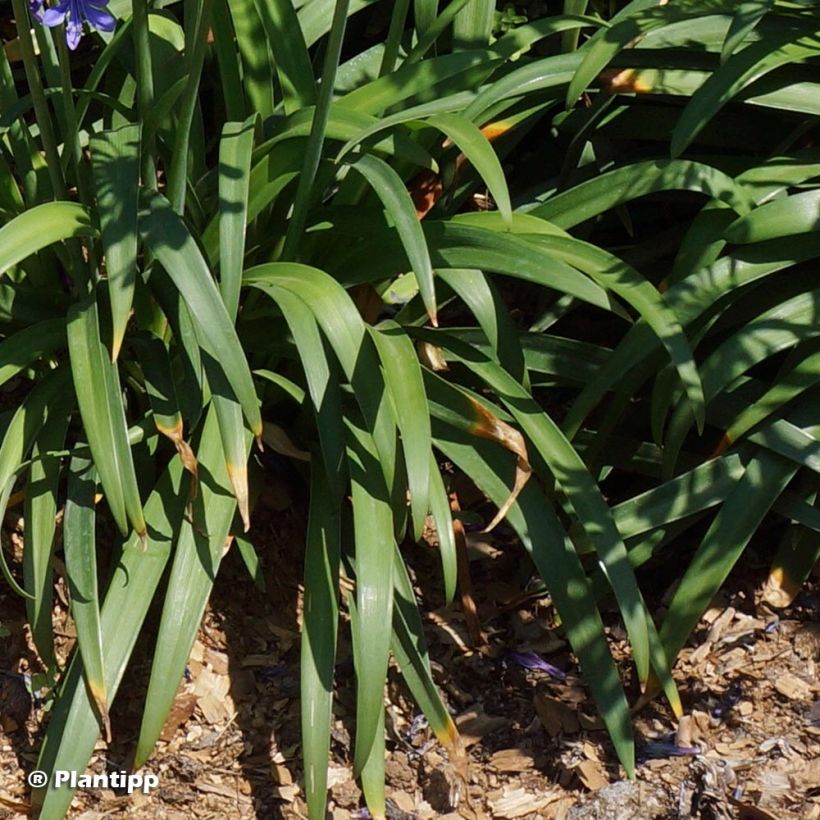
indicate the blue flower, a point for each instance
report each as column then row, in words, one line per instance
column 74, row 13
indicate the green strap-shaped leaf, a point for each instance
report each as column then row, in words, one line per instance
column 199, row 551
column 185, row 353
column 159, row 384
column 585, row 499
column 549, row 74
column 470, row 412
column 97, row 385
column 737, row 520
column 442, row 22
column 606, row 44
column 305, row 192
column 410, row 650
column 374, row 546
column 28, row 420
column 542, row 536
column 225, row 47
column 804, row 376
column 353, row 127
column 610, row 272
column 372, row 772
column 749, row 13
column 23, row 348
column 250, row 558
column 232, row 431
column 5, row 495
column 290, row 54
column 473, row 25
column 796, row 214
column 73, row 729
column 762, row 336
column 596, row 196
column 39, row 227
column 323, row 383
column 234, row 168
column 257, row 61
column 162, row 393
column 390, row 189
column 443, row 518
column 116, row 161
column 319, row 629
column 40, row 516
column 566, row 361
column 456, row 245
column 795, row 437
column 283, row 383
column 402, row 376
column 689, row 298
column 395, row 33
column 345, row 330
column 235, row 150
column 744, row 67
column 424, row 14
column 797, row 553
column 426, row 79
column 521, row 38
column 485, row 303
column 166, row 236
column 699, row 489
column 704, row 239
column 569, row 40
column 476, row 147
column 80, row 545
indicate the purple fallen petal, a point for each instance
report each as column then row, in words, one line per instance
column 529, row 660
column 656, row 750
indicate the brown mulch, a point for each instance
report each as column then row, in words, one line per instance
column 748, row 679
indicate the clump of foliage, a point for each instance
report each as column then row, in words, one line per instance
column 200, row 209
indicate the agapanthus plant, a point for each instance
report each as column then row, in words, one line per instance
column 73, row 13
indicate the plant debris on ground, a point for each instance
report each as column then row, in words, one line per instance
column 230, row 746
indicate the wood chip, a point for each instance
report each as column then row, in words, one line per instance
column 687, row 729
column 474, row 724
column 747, row 811
column 512, row 760
column 403, row 801
column 792, row 687
column 336, row 775
column 281, row 774
column 516, row 802
column 221, row 789
column 591, row 774
column 555, row 716
column 287, row 793
column 590, row 751
column 218, row 661
column 181, row 711
column 212, row 697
